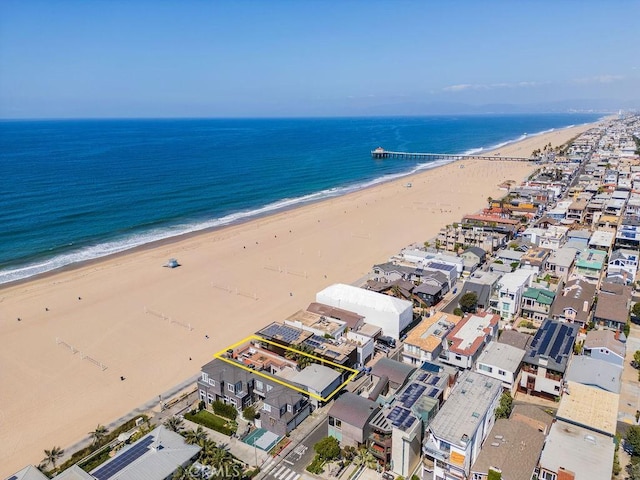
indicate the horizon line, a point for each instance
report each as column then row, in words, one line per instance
column 312, row 117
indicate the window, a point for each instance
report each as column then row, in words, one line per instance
column 266, row 407
column 289, row 408
column 547, row 475
column 269, row 387
column 458, row 357
column 259, row 385
column 485, row 368
column 231, row 387
column 502, row 373
column 557, row 388
column 203, row 395
column 205, row 377
column 212, row 382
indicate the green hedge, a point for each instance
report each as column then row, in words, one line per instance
column 224, row 410
column 209, row 420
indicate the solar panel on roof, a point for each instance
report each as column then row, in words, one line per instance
column 333, row 353
column 421, row 377
column 412, row 394
column 13, row 478
column 433, row 380
column 430, row 367
column 124, row 459
column 312, row 343
column 556, row 347
column 409, row 421
column 545, row 337
column 433, row 392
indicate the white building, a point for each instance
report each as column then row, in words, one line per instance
column 502, row 362
column 389, row 313
column 510, row 289
column 466, row 341
column 550, row 238
column 453, row 439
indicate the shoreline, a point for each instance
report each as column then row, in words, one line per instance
column 348, row 190
column 331, row 240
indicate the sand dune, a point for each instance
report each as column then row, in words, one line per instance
column 134, row 315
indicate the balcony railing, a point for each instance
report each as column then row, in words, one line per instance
column 384, row 440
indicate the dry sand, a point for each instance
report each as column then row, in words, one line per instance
column 50, row 396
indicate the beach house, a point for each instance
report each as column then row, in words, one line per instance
column 349, row 419
column 574, row 303
column 545, row 362
column 623, row 262
column 464, row 343
column 396, row 431
column 604, row 345
column 536, row 303
column 501, row 362
column 426, row 340
column 483, row 284
column 504, row 451
column 511, row 287
column 453, row 440
column 612, row 309
column 561, row 261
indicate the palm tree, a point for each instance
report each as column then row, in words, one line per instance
column 99, row 434
column 208, row 449
column 194, row 437
column 222, row 460
column 183, row 473
column 296, row 352
column 175, row 424
column 52, row 456
column 365, row 458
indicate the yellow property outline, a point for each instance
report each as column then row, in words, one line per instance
column 219, row 355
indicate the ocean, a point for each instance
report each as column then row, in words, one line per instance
column 76, row 190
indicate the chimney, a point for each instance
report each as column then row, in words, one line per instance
column 565, row 474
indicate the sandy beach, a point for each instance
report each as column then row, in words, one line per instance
column 150, row 324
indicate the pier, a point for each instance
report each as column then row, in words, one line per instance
column 380, row 153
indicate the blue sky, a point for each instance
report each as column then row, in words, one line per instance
column 305, row 58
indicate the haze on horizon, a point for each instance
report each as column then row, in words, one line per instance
column 244, row 58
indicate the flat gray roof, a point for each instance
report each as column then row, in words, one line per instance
column 595, row 373
column 585, row 453
column 503, row 356
column 465, row 408
column 316, row 377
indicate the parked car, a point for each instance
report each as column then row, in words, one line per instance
column 635, row 364
column 388, row 476
column 627, row 447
